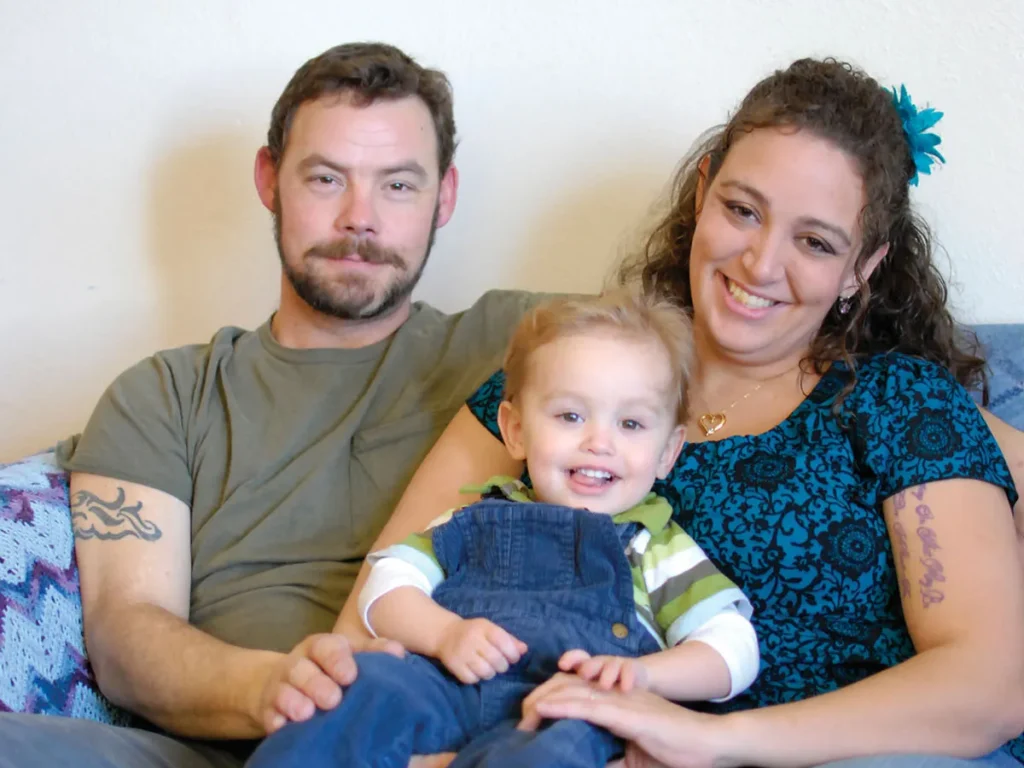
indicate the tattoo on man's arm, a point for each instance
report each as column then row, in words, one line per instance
column 94, row 518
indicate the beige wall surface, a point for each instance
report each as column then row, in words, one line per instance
column 127, row 132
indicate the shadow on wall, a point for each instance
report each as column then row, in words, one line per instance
column 578, row 243
column 211, row 239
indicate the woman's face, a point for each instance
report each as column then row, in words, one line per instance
column 775, row 243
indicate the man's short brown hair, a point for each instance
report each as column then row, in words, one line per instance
column 365, row 73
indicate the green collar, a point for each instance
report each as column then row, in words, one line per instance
column 653, row 513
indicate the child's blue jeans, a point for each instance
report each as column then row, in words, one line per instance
column 556, row 578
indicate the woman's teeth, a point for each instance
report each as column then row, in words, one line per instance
column 747, row 299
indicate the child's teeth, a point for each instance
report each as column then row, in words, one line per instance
column 755, row 302
column 597, row 474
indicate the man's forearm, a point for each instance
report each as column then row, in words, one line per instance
column 178, row 677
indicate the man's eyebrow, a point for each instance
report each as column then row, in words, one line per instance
column 811, row 221
column 410, row 166
column 317, row 160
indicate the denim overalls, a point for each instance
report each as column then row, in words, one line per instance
column 554, row 577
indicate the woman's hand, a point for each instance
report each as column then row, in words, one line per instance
column 662, row 733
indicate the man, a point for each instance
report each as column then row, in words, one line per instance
column 224, row 495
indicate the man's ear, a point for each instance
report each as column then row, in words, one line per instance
column 703, row 168
column 511, row 426
column 850, row 286
column 447, row 195
column 265, row 176
column 673, row 446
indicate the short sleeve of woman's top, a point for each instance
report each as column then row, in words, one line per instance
column 485, row 401
column 912, row 423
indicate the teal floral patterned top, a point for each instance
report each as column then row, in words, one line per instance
column 794, row 515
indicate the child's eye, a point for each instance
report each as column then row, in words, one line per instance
column 570, row 417
column 632, row 424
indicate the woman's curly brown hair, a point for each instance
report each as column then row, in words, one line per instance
column 902, row 306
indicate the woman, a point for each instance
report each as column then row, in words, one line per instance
column 836, row 467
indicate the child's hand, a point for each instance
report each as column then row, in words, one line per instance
column 606, row 671
column 477, row 649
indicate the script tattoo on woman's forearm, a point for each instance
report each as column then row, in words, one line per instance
column 902, row 545
column 94, row 518
column 933, row 572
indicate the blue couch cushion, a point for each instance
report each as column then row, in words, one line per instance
column 1004, row 348
column 43, row 668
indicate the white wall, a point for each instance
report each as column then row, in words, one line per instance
column 128, row 221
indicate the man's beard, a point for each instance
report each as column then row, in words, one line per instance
column 352, row 297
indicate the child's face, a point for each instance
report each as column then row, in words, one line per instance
column 595, row 421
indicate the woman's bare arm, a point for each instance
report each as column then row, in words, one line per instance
column 1011, row 443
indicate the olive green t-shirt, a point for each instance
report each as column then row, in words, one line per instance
column 291, row 460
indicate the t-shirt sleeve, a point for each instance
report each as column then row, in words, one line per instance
column 137, row 431
column 913, row 423
column 485, row 401
column 481, row 337
column 684, row 587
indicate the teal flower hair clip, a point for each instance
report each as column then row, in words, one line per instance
column 915, row 126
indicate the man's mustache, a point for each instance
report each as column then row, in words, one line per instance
column 368, row 250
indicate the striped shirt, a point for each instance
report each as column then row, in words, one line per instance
column 676, row 588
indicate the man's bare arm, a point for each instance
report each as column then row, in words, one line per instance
column 134, row 554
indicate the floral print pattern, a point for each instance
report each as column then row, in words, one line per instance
column 794, row 515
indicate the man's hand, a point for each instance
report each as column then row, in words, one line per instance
column 606, row 672
column 477, row 649
column 311, row 677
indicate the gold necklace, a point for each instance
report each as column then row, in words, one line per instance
column 712, row 422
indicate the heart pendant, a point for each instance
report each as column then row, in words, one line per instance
column 711, row 423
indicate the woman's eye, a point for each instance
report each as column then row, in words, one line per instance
column 743, row 211
column 570, row 417
column 819, row 245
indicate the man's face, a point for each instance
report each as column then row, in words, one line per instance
column 356, row 199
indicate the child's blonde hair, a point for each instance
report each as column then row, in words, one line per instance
column 622, row 312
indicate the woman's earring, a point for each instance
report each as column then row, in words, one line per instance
column 844, row 304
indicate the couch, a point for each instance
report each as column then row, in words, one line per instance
column 43, row 664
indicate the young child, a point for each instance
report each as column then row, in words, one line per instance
column 584, row 573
